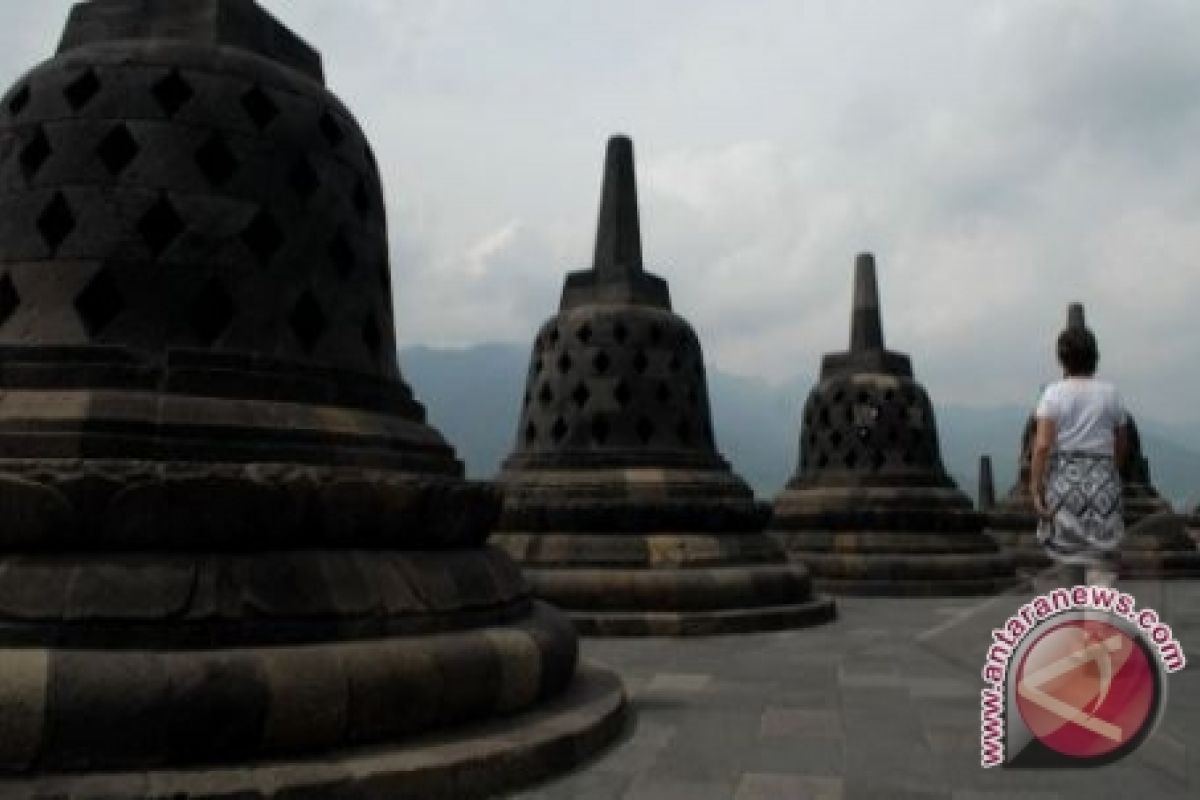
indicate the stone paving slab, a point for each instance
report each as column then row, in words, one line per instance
column 881, row 704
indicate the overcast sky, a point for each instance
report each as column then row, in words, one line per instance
column 1000, row 157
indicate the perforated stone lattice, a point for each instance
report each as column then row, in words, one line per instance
column 866, row 425
column 628, row 378
column 237, row 185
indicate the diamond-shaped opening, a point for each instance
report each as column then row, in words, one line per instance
column 620, row 332
column 341, row 255
column 211, row 311
column 330, row 129
column 56, row 221
column 622, row 394
column 362, row 198
column 564, row 363
column 303, row 178
column 664, row 393
column 599, row 429
column 581, row 394
column 307, row 320
column 601, row 362
column 656, row 333
column 259, row 106
column 683, row 430
column 19, row 100
column 34, row 154
column 644, row 430
column 216, row 160
column 559, row 431
column 640, row 362
column 9, row 299
column 584, row 334
column 117, row 149
column 530, row 433
column 263, row 237
column 371, row 335
column 545, row 396
column 80, row 91
column 172, row 92
column 99, row 302
column 160, row 225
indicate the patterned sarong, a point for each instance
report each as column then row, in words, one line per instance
column 1083, row 493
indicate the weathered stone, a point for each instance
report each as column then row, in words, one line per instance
column 871, row 509
column 617, row 502
column 230, row 537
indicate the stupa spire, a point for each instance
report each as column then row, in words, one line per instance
column 617, row 274
column 1075, row 318
column 866, row 327
column 618, row 235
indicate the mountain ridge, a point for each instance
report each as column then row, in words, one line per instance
column 473, row 396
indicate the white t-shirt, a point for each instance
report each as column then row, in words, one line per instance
column 1086, row 413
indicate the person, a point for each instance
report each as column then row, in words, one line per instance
column 1081, row 441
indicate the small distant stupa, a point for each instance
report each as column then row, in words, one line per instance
column 871, row 508
column 617, row 503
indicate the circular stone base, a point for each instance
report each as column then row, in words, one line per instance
column 476, row 760
column 668, row 584
column 704, row 623
column 1023, row 547
column 901, row 564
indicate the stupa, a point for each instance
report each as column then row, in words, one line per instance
column 1158, row 548
column 871, row 508
column 235, row 560
column 617, row 503
column 987, row 486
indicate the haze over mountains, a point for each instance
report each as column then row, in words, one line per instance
column 473, row 395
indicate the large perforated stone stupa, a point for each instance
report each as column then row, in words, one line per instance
column 871, row 508
column 234, row 559
column 617, row 503
column 1156, row 543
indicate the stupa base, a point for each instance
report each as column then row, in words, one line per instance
column 704, row 623
column 683, row 584
column 894, row 564
column 469, row 761
column 1022, row 545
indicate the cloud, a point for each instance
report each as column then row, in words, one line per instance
column 1002, row 158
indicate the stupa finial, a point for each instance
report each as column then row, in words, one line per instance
column 618, row 236
column 617, row 274
column 1075, row 318
column 866, row 327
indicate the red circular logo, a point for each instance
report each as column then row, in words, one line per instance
column 1086, row 688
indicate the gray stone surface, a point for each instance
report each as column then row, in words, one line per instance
column 881, row 704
